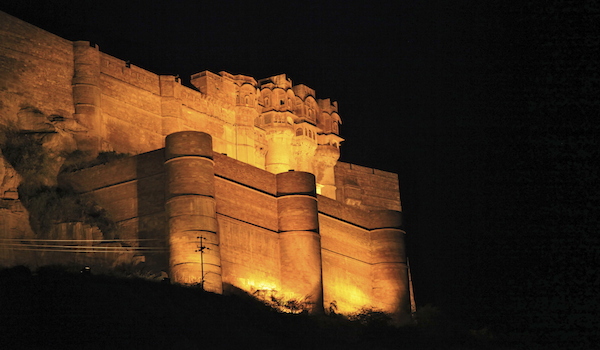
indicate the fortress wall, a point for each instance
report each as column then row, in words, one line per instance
column 132, row 75
column 248, row 205
column 353, row 215
column 131, row 105
column 201, row 121
column 36, row 69
column 247, row 216
column 249, row 255
column 364, row 261
column 131, row 189
column 346, row 264
column 206, row 104
column 366, row 187
column 361, row 251
column 240, row 172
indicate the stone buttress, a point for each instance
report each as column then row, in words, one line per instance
column 191, row 211
column 87, row 91
column 299, row 239
column 390, row 269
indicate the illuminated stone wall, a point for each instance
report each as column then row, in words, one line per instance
column 267, row 236
column 36, row 70
column 327, row 232
column 367, row 188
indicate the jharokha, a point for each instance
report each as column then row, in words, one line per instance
column 232, row 184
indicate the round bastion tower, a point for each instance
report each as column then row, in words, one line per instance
column 87, row 94
column 299, row 238
column 390, row 269
column 195, row 256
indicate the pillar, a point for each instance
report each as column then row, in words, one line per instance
column 191, row 211
column 326, row 156
column 389, row 270
column 86, row 90
column 299, row 239
column 279, row 138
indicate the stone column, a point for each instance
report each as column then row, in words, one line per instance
column 389, row 269
column 326, row 157
column 86, row 89
column 299, row 239
column 279, row 134
column 191, row 210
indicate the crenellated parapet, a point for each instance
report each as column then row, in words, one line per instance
column 279, row 126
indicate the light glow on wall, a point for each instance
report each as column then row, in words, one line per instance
column 348, row 298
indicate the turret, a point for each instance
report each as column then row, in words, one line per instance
column 299, row 238
column 277, row 120
column 390, row 270
column 87, row 94
column 195, row 256
column 328, row 151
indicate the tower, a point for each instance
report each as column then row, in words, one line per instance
column 191, row 211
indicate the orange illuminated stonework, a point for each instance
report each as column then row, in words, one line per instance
column 231, row 183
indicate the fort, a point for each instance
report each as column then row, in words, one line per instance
column 232, row 183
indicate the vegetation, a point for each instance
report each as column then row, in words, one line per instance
column 47, row 203
column 58, row 307
column 80, row 160
column 26, row 154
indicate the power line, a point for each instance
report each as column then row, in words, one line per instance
column 78, row 240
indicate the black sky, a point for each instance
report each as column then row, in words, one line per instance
column 475, row 105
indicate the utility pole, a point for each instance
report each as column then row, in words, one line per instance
column 201, row 249
column 413, row 305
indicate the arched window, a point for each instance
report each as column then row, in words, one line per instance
column 266, row 101
column 299, row 132
column 246, row 99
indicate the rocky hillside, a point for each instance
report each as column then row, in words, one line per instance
column 57, row 309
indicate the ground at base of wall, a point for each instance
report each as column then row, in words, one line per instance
column 73, row 310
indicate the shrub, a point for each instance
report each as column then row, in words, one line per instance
column 371, row 317
column 78, row 160
column 26, row 154
column 48, row 205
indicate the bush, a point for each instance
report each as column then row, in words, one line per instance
column 26, row 154
column 78, row 160
column 48, row 205
column 371, row 317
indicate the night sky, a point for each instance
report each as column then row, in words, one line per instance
column 483, row 110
